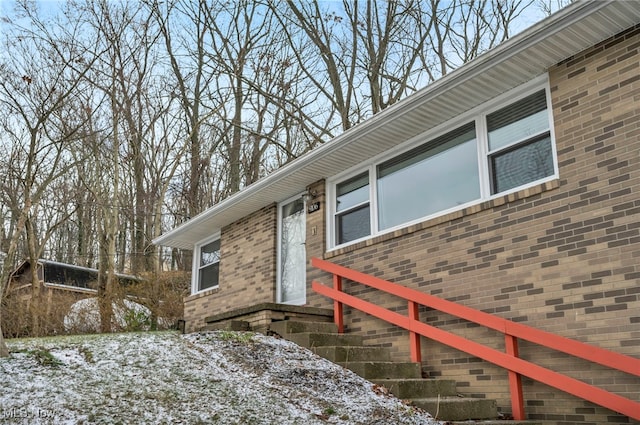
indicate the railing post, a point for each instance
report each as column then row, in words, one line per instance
column 515, row 381
column 414, row 338
column 337, row 306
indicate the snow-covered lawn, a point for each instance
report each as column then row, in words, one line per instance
column 167, row 378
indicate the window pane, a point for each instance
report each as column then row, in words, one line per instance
column 210, row 253
column 430, row 181
column 518, row 121
column 294, row 207
column 208, row 276
column 432, row 148
column 352, row 192
column 353, row 225
column 522, row 165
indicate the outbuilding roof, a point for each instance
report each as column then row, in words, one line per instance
column 58, row 271
column 520, row 59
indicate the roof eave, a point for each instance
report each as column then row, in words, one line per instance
column 185, row 236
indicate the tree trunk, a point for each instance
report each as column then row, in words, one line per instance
column 36, row 305
column 4, row 350
column 236, row 139
column 4, row 276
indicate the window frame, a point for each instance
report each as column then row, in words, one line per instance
column 364, row 204
column 197, row 254
column 478, row 115
column 447, row 132
column 517, row 144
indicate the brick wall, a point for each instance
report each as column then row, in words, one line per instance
column 316, row 241
column 563, row 256
column 247, row 269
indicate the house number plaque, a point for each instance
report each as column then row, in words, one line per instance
column 311, row 208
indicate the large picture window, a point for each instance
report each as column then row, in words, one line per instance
column 506, row 149
column 209, row 266
column 433, row 177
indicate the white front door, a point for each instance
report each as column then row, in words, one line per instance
column 292, row 256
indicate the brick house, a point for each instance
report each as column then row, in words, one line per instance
column 511, row 186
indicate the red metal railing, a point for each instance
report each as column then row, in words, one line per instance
column 512, row 331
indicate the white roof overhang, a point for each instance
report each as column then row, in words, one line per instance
column 518, row 60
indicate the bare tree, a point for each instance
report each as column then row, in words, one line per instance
column 184, row 27
column 135, row 87
column 332, row 71
column 118, row 144
column 547, row 7
column 38, row 80
column 367, row 55
column 239, row 32
column 187, row 186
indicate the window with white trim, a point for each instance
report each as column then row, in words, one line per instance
column 208, row 266
column 520, row 149
column 436, row 176
column 352, row 215
column 493, row 153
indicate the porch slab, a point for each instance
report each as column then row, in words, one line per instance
column 260, row 316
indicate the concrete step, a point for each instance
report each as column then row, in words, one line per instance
column 402, row 379
column 384, row 370
column 419, row 388
column 458, row 408
column 286, row 327
column 339, row 354
column 228, row 325
column 316, row 339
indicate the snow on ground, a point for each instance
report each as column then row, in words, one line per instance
column 203, row 378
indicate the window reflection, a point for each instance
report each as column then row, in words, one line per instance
column 431, row 178
column 524, row 164
column 209, row 271
column 353, row 218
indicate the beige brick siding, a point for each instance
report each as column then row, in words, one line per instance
column 247, row 269
column 316, row 242
column 563, row 256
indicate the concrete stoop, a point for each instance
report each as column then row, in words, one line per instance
column 402, row 379
column 231, row 325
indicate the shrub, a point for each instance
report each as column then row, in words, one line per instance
column 154, row 302
column 24, row 316
column 163, row 294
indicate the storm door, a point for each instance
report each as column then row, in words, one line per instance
column 292, row 256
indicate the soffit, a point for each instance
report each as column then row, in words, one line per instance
column 517, row 61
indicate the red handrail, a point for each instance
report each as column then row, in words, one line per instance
column 510, row 361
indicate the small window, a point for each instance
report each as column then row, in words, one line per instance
column 209, row 269
column 353, row 218
column 523, row 164
column 520, row 150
